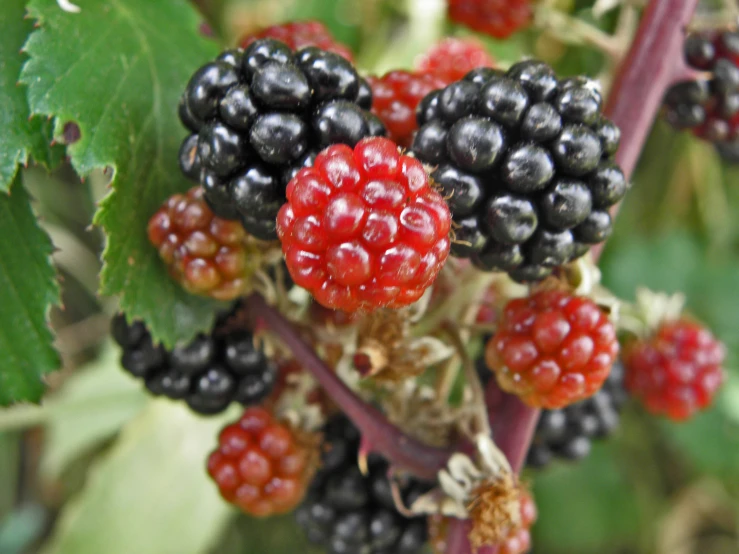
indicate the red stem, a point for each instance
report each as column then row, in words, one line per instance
column 651, row 66
column 404, row 451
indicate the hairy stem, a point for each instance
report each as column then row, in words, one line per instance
column 402, row 450
column 635, row 98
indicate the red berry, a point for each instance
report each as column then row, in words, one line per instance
column 520, row 541
column 300, row 34
column 261, row 465
column 677, row 371
column 362, row 229
column 552, row 349
column 395, row 97
column 204, row 253
column 497, row 18
column 452, row 58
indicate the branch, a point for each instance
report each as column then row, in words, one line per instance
column 422, row 460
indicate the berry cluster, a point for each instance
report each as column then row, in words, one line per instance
column 301, row 34
column 395, row 97
column 452, row 58
column 262, row 465
column 676, row 372
column 206, row 254
column 362, row 229
column 709, row 106
column 347, row 512
column 260, row 115
column 208, row 373
column 497, row 18
column 526, row 162
column 552, row 349
column 568, row 433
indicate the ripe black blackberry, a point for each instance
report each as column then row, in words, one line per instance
column 526, row 162
column 568, row 433
column 258, row 116
column 349, row 513
column 708, row 105
column 208, row 373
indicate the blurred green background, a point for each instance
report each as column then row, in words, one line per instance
column 101, row 469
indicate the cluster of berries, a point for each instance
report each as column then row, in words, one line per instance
column 284, row 144
column 709, row 105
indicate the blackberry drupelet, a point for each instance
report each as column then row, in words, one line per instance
column 349, row 513
column 708, row 105
column 568, row 433
column 526, row 163
column 258, row 116
column 208, row 373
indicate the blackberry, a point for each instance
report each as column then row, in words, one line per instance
column 349, row 513
column 259, row 115
column 208, row 373
column 568, row 433
column 526, row 163
column 708, row 105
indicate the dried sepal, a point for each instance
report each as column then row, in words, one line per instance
column 388, row 352
column 419, row 412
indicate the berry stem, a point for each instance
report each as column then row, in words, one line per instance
column 422, row 460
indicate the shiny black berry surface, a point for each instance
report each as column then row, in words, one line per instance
column 209, row 373
column 526, row 163
column 346, row 512
column 259, row 115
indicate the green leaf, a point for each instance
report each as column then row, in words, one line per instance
column 20, row 137
column 28, row 289
column 116, row 70
column 150, row 494
column 586, row 507
column 91, row 407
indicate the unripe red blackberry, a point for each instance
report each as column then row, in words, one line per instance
column 207, row 255
column 363, row 229
column 497, row 18
column 677, row 371
column 395, row 97
column 262, row 465
column 300, row 34
column 452, row 58
column 552, row 349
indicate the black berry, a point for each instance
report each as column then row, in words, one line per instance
column 525, row 163
column 347, row 512
column 208, row 373
column 261, row 114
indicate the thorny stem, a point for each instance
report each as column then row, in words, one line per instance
column 635, row 98
column 404, row 451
